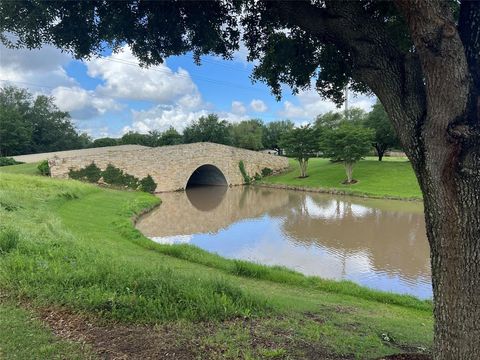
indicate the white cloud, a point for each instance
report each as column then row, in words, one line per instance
column 258, row 105
column 124, row 78
column 38, row 69
column 238, row 108
column 161, row 117
column 310, row 105
column 81, row 103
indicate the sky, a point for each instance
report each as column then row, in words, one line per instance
column 111, row 95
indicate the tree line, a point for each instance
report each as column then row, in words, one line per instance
column 34, row 124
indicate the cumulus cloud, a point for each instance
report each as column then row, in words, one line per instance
column 309, row 105
column 124, row 78
column 258, row 105
column 161, row 117
column 38, row 69
column 238, row 108
column 81, row 103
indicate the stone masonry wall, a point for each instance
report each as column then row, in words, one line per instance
column 172, row 166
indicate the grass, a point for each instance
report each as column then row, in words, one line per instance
column 24, row 337
column 75, row 247
column 26, row 169
column 391, row 178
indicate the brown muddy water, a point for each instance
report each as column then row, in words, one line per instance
column 380, row 244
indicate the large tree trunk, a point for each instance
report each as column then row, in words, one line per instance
column 453, row 228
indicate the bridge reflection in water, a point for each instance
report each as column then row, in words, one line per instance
column 377, row 243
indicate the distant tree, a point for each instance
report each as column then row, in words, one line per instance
column 208, row 129
column 15, row 121
column 273, row 133
column 385, row 137
column 170, row 137
column 333, row 119
column 106, row 141
column 135, row 138
column 248, row 134
column 347, row 143
column 301, row 143
column 34, row 125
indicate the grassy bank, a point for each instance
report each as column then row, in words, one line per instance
column 69, row 245
column 391, row 178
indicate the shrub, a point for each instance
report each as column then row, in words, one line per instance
column 131, row 181
column 6, row 161
column 246, row 178
column 44, row 168
column 266, row 171
column 112, row 175
column 8, row 240
column 115, row 176
column 147, row 184
column 257, row 177
column 91, row 173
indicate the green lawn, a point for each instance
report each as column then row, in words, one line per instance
column 392, row 178
column 29, row 169
column 72, row 245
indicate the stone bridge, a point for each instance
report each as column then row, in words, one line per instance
column 176, row 167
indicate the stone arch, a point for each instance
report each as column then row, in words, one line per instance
column 207, row 175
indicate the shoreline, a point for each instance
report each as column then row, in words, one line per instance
column 334, row 191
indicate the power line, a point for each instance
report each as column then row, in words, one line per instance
column 190, row 76
column 269, row 116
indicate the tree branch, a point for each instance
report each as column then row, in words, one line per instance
column 393, row 75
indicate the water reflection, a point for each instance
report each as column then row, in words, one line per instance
column 377, row 243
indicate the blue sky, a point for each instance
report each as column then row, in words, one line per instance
column 111, row 95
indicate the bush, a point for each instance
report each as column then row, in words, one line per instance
column 115, row 176
column 6, row 161
column 266, row 171
column 44, row 168
column 112, row 175
column 8, row 240
column 91, row 173
column 246, row 178
column 147, row 184
column 257, row 177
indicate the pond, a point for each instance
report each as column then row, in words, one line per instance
column 380, row 244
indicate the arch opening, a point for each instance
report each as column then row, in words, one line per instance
column 207, row 175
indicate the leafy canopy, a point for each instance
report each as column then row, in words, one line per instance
column 208, row 129
column 348, row 143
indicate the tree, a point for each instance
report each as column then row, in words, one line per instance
column 333, row 119
column 347, row 143
column 15, row 121
column 248, row 134
column 135, row 138
column 208, row 129
column 421, row 59
column 301, row 143
column 273, row 132
column 170, row 137
column 35, row 125
column 106, row 141
column 385, row 137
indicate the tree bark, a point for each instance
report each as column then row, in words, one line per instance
column 380, row 151
column 349, row 172
column 303, row 167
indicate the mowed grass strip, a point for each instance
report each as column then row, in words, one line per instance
column 391, row 178
column 73, row 245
